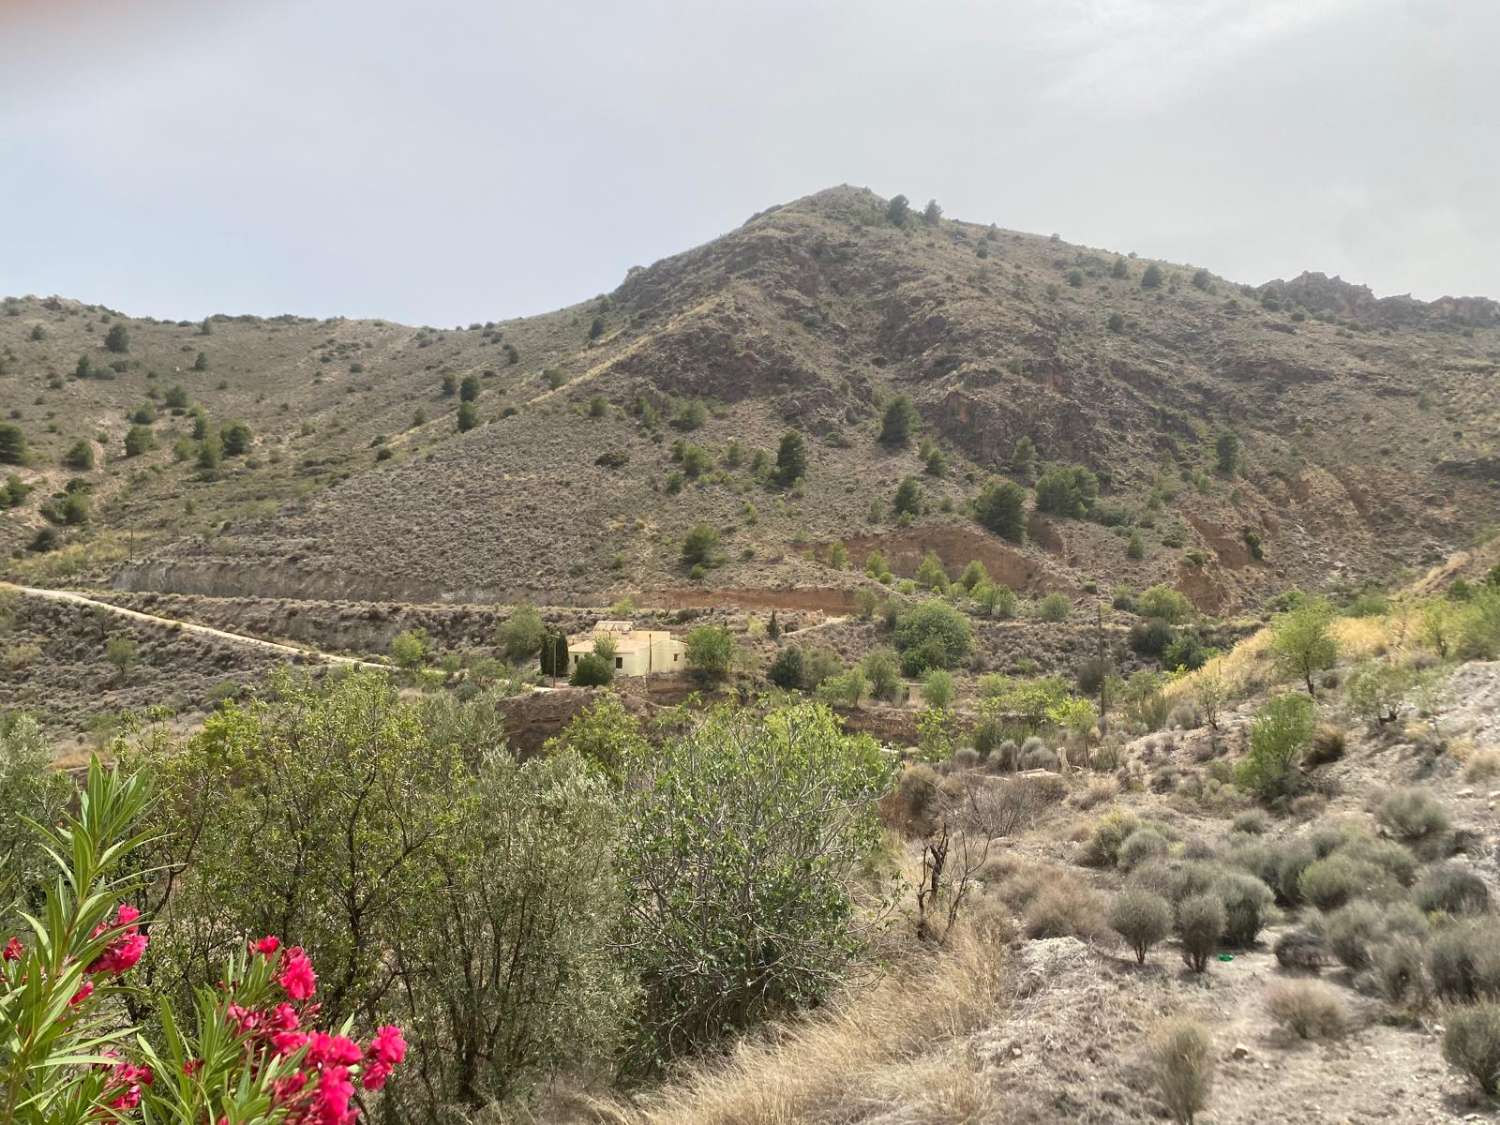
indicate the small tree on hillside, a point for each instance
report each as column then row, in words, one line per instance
column 898, row 210
column 236, row 439
column 900, row 419
column 710, row 653
column 1152, row 278
column 1001, row 507
column 1301, row 642
column 1227, row 450
column 522, row 633
column 791, row 459
column 932, row 213
column 468, row 390
column 908, row 498
column 467, row 418
column 117, row 339
column 12, row 444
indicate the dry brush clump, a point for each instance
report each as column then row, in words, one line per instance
column 1181, row 1062
column 1308, row 1009
column 1200, row 925
column 848, row 1061
column 1471, row 1042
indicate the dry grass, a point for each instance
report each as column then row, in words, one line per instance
column 886, row 1053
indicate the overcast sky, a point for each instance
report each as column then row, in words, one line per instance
column 457, row 160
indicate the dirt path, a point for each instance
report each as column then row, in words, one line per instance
column 189, row 627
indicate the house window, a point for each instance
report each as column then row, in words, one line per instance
column 674, row 658
column 619, row 662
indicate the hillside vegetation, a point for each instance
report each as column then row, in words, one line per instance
column 567, row 457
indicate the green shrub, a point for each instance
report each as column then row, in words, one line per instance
column 1329, row 883
column 1463, row 961
column 932, row 634
column 700, row 546
column 236, row 438
column 1141, row 846
column 1110, row 833
column 1277, row 738
column 1066, row 490
column 1471, row 1042
column 786, row 670
column 882, row 669
column 899, row 422
column 1413, row 814
column 1452, row 889
column 409, row 648
column 1165, row 603
column 80, row 456
column 1247, row 902
column 1054, row 607
column 1353, row 931
column 1309, row 1009
column 710, row 653
column 937, row 689
column 138, row 440
column 1200, row 925
column 592, row 669
column 1400, row 971
column 744, row 924
column 1142, row 919
column 1182, row 1067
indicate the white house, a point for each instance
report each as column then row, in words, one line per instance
column 638, row 652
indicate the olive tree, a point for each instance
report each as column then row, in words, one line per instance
column 745, row 833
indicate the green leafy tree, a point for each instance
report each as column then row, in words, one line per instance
column 506, row 972
column 351, row 790
column 468, row 389
column 1152, row 278
column 932, row 634
column 409, row 648
column 467, row 417
column 882, row 669
column 931, row 575
column 1023, row 456
column 745, row 836
column 117, row 339
column 605, row 735
column 520, row 637
column 899, row 422
column 710, row 653
column 1001, row 508
column 898, row 210
column 554, row 657
column 1279, row 734
column 1301, row 641
column 176, row 397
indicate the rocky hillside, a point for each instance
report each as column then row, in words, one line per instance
column 599, row 435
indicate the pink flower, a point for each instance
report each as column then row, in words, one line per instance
column 335, row 1050
column 82, row 994
column 124, row 952
column 289, row 1042
column 331, row 1102
column 297, row 978
column 386, row 1050
column 283, row 1017
column 268, row 945
column 121, row 955
column 13, row 950
column 388, row 1045
column 191, row 1067
column 245, row 1021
